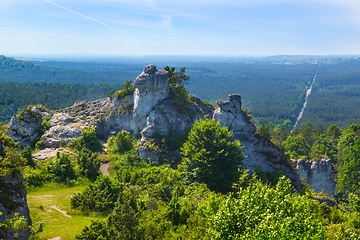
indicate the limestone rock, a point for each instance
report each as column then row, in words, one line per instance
column 25, row 129
column 232, row 116
column 318, row 174
column 168, row 120
column 259, row 152
column 151, row 88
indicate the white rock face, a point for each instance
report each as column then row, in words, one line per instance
column 317, row 174
column 231, row 115
column 151, row 88
column 67, row 123
column 26, row 130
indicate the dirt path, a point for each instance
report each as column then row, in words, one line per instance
column 104, row 168
column 60, row 211
column 55, row 238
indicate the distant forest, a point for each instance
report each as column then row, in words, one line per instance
column 272, row 90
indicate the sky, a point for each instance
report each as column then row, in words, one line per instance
column 182, row 27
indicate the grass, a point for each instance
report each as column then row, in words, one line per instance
column 54, row 222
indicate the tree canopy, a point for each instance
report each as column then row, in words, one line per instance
column 209, row 155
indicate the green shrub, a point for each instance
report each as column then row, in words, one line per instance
column 88, row 139
column 126, row 90
column 40, row 145
column 89, row 163
column 100, row 196
column 210, row 156
column 62, row 168
column 37, row 177
column 121, row 143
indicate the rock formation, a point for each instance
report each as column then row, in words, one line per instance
column 13, row 193
column 318, row 174
column 27, row 129
column 150, row 112
column 260, row 153
column 151, row 88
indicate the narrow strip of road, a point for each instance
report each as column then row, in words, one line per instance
column 308, row 92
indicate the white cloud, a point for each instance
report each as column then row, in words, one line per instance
column 166, row 22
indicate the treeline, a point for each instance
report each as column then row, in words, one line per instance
column 15, row 96
column 13, row 70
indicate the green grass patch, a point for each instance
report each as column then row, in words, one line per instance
column 50, row 207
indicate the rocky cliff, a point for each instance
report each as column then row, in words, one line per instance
column 318, row 174
column 150, row 112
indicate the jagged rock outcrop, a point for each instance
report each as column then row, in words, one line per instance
column 260, row 153
column 13, row 195
column 318, row 174
column 231, row 115
column 151, row 88
column 167, row 120
column 26, row 129
column 150, row 112
column 111, row 115
column 66, row 124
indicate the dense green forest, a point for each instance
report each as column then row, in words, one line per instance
column 13, row 70
column 336, row 94
column 272, row 92
column 272, row 89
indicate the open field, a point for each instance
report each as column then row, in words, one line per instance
column 50, row 207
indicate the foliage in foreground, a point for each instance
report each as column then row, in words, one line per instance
column 11, row 186
column 254, row 211
column 159, row 203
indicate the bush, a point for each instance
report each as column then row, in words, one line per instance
column 121, row 143
column 88, row 139
column 100, row 196
column 89, row 163
column 37, row 177
column 126, row 90
column 62, row 168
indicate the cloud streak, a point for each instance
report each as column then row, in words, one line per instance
column 87, row 17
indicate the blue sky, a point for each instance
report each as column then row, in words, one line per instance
column 183, row 27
